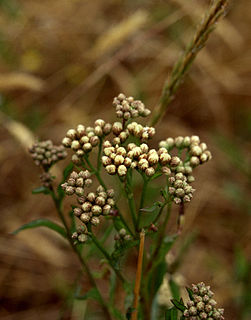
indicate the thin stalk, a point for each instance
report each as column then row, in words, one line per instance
column 160, row 212
column 142, row 201
column 130, row 197
column 138, row 276
column 161, row 234
column 85, row 266
column 206, row 26
column 107, row 256
column 99, row 162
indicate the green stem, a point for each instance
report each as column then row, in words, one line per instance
column 99, row 162
column 142, row 200
column 107, row 256
column 130, row 197
column 160, row 212
column 58, row 205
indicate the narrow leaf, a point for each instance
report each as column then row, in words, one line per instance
column 42, row 223
column 41, row 189
column 180, row 306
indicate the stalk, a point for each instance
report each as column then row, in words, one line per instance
column 180, row 69
column 138, row 276
column 85, row 266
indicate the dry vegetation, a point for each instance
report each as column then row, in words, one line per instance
column 61, row 63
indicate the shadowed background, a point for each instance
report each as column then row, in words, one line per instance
column 61, row 63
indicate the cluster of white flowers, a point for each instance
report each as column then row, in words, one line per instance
column 202, row 306
column 95, row 204
column 143, row 133
column 127, row 107
column 45, row 154
column 122, row 235
column 83, row 139
column 76, row 183
column 180, row 190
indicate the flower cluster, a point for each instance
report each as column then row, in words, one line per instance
column 202, row 306
column 76, row 183
column 46, row 179
column 143, row 133
column 81, row 234
column 44, row 153
column 180, row 190
column 123, row 235
column 120, row 134
column 127, row 107
column 83, row 139
column 196, row 150
column 94, row 205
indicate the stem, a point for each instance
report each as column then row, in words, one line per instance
column 216, row 11
column 58, row 206
column 160, row 212
column 138, row 276
column 99, row 162
column 142, row 200
column 130, row 197
column 161, row 234
column 108, row 257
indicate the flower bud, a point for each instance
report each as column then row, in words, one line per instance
column 117, row 128
column 106, row 209
column 96, row 210
column 75, row 145
column 100, row 201
column 95, row 221
column 111, row 169
column 87, row 147
column 82, row 238
column 86, row 206
column 85, row 217
column 77, row 212
column 175, row 161
column 71, row 134
column 91, row 197
column 150, row 171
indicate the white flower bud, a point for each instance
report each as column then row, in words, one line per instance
column 196, row 151
column 190, row 179
column 121, row 97
column 122, row 170
column 175, row 161
column 69, row 190
column 116, row 141
column 143, row 164
column 163, row 144
column 100, row 201
column 98, row 131
column 146, row 113
column 118, row 160
column 67, row 142
column 180, row 192
column 79, row 191
column 117, row 128
column 178, row 141
column 95, row 221
column 77, row 212
column 150, row 171
column 96, row 210
column 165, row 158
column 75, row 145
column 86, row 206
column 106, row 209
column 194, row 161
column 85, row 217
column 99, row 122
column 75, row 159
column 106, row 160
column 91, row 197
column 195, row 139
column 113, row 155
column 203, row 158
column 80, row 130
column 127, row 162
column 111, row 202
column 88, row 182
column 111, row 169
column 177, row 200
column 170, row 142
column 71, row 134
column 108, row 151
column 166, row 171
column 87, row 147
column 107, row 128
column 153, row 158
column 94, row 141
column 122, row 232
column 144, row 148
column 82, row 238
column 84, row 140
column 136, row 152
column 121, row 151
column 123, row 135
column 186, row 141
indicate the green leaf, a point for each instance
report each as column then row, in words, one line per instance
column 190, row 293
column 41, row 189
column 149, row 214
column 42, row 223
column 174, row 289
column 180, row 306
column 171, row 314
column 91, row 294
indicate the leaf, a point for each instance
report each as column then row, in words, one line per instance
column 190, row 293
column 42, row 223
column 180, row 306
column 41, row 189
column 112, row 287
column 149, row 214
column 174, row 289
column 91, row 294
column 171, row 314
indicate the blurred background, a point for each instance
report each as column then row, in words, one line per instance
column 61, row 63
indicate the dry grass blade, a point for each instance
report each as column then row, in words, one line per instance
column 216, row 11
